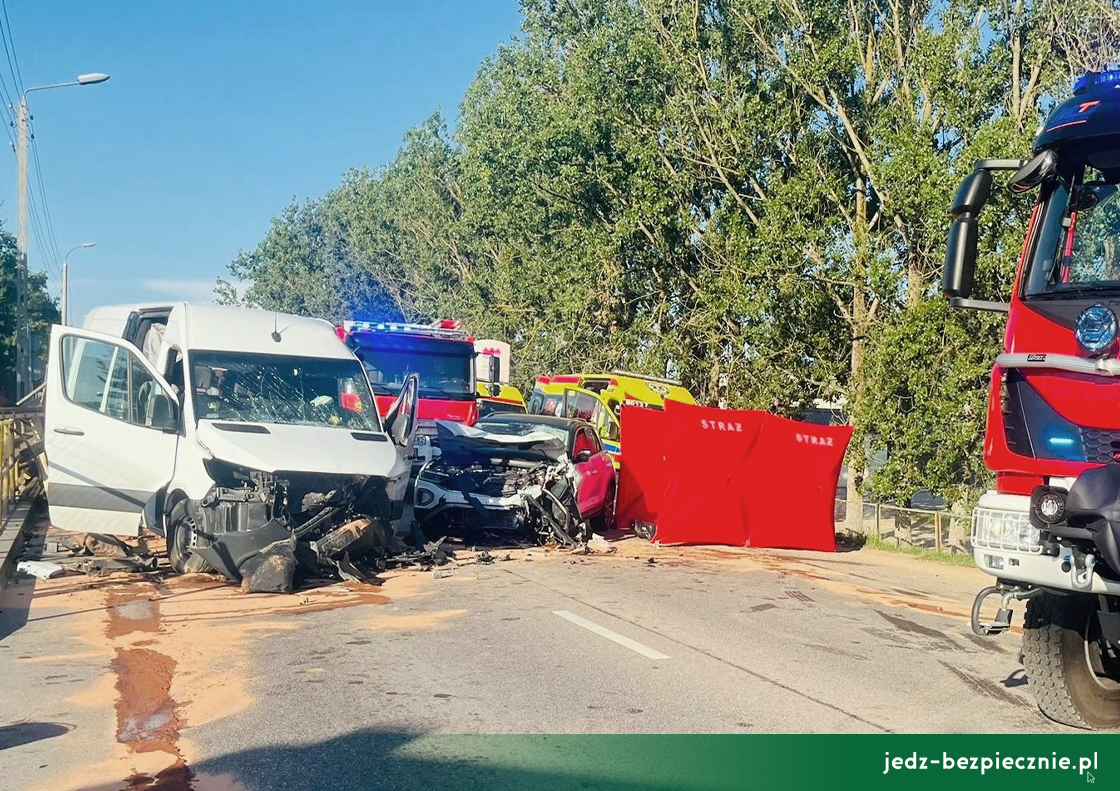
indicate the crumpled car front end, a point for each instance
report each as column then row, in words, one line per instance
column 518, row 485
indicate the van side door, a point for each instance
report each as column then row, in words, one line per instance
column 111, row 430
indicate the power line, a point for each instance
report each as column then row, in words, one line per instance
column 37, row 232
column 52, row 236
column 17, row 77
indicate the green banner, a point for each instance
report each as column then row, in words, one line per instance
column 727, row 763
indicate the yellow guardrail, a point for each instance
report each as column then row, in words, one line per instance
column 16, row 433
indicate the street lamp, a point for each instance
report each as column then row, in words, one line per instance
column 23, row 330
column 66, row 280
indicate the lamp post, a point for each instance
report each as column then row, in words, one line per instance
column 66, row 280
column 23, row 328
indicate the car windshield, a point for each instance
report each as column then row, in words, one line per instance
column 444, row 367
column 518, row 428
column 266, row 388
column 487, row 407
column 1078, row 248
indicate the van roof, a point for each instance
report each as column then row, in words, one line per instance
column 204, row 326
column 251, row 330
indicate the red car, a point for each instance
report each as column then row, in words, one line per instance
column 514, row 473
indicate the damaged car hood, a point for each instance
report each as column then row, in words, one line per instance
column 457, row 441
column 271, row 447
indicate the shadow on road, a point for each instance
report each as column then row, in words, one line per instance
column 28, row 732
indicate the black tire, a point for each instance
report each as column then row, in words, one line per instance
column 604, row 520
column 180, row 539
column 1072, row 681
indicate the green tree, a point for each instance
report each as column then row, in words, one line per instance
column 42, row 310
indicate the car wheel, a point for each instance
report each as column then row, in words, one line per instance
column 604, row 520
column 181, row 537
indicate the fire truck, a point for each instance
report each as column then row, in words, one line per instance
column 1050, row 530
column 441, row 353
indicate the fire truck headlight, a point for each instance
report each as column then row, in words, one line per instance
column 1096, row 329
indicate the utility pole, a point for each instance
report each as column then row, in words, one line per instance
column 23, row 328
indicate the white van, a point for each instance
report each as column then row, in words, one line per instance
column 240, row 435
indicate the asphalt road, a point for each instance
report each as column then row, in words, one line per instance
column 185, row 683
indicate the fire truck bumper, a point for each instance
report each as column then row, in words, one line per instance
column 1007, row 546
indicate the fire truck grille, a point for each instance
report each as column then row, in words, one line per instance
column 1101, row 445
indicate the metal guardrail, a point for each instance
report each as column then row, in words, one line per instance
column 914, row 527
column 18, row 437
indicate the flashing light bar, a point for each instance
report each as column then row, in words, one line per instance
column 566, row 380
column 447, row 329
column 1110, row 76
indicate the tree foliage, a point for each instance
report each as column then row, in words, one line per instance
column 42, row 311
column 750, row 195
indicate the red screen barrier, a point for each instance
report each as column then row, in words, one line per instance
column 641, row 474
column 737, row 477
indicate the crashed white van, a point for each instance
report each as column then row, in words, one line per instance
column 249, row 439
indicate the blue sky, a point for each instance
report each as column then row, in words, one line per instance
column 216, row 116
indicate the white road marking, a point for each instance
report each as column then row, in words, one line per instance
column 603, row 631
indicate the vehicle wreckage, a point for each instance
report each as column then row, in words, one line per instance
column 248, row 439
column 530, row 476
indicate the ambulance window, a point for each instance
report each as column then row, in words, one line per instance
column 610, row 428
column 581, row 405
column 550, row 405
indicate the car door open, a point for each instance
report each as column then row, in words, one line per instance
column 111, row 431
column 400, row 421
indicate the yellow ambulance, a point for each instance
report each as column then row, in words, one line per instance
column 598, row 399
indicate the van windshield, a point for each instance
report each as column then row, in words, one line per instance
column 266, row 388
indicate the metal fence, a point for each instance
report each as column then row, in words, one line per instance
column 18, row 435
column 913, row 527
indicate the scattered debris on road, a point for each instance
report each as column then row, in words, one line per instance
column 39, row 569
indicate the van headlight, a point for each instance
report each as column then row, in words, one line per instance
column 1095, row 329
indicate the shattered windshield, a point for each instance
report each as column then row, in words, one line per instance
column 266, row 388
column 519, row 429
column 1078, row 248
column 444, row 367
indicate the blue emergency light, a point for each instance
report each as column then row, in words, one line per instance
column 1091, row 79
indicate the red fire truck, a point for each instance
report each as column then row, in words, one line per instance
column 440, row 352
column 1050, row 530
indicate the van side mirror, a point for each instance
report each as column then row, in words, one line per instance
column 165, row 413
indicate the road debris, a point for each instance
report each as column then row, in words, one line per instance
column 39, row 569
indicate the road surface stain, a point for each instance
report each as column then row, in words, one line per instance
column 178, row 654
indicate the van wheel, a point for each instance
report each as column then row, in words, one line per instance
column 181, row 538
column 1072, row 671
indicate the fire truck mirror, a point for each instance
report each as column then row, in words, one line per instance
column 973, row 194
column 495, row 369
column 960, row 258
column 1037, row 170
